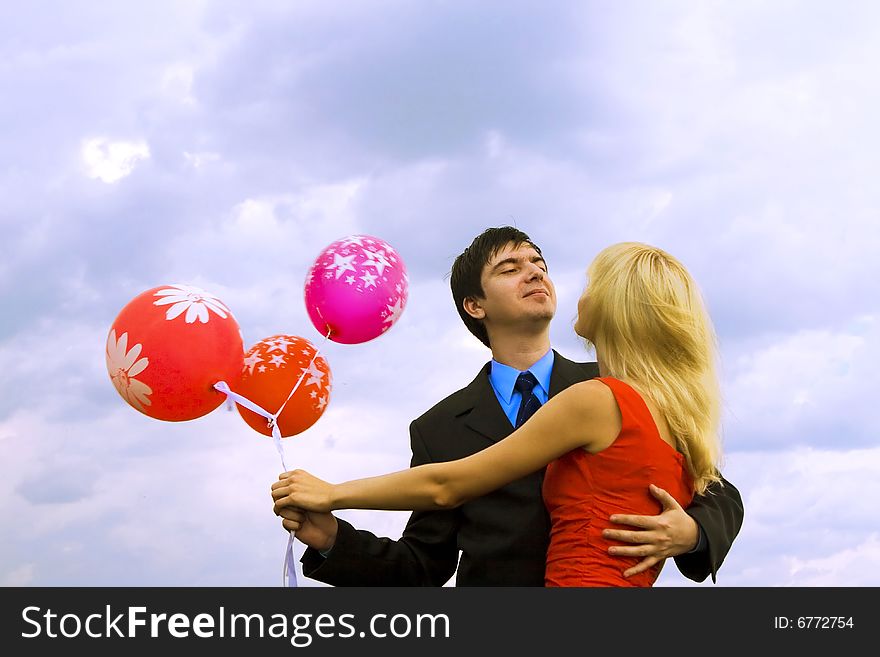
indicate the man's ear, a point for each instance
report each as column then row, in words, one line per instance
column 474, row 308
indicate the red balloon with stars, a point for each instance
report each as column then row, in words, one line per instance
column 272, row 368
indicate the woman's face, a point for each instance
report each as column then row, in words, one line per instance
column 580, row 323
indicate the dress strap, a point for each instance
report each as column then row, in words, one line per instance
column 633, row 409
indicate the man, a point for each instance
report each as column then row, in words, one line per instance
column 505, row 297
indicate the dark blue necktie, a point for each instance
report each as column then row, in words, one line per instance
column 525, row 384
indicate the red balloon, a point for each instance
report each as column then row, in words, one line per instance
column 168, row 347
column 272, row 368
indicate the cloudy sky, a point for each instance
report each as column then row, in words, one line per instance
column 224, row 145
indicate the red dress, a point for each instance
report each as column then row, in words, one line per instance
column 581, row 490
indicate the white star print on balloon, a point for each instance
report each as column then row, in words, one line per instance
column 315, row 376
column 378, row 260
column 280, row 344
column 355, row 254
column 354, row 239
column 394, row 312
column 369, row 279
column 342, row 264
column 251, row 361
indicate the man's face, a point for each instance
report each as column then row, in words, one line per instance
column 517, row 289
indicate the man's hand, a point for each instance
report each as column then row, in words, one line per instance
column 317, row 530
column 669, row 534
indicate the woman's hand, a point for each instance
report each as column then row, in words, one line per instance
column 300, row 489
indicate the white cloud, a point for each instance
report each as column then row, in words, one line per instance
column 111, row 161
column 855, row 565
column 298, row 222
column 809, row 387
column 810, row 519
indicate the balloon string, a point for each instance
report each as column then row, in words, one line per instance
column 289, row 568
column 289, row 574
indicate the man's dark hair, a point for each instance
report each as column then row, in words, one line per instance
column 468, row 269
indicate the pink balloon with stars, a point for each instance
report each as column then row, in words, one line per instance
column 356, row 289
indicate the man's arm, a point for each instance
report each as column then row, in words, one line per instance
column 719, row 514
column 425, row 555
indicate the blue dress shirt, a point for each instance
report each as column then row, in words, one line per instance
column 503, row 377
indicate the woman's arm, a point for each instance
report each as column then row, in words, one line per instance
column 583, row 415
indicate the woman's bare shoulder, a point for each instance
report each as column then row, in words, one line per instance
column 598, row 412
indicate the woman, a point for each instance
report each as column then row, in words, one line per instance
column 650, row 418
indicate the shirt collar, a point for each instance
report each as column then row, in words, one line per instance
column 503, row 377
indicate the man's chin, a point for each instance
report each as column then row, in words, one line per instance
column 544, row 315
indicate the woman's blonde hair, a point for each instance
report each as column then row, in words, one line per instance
column 647, row 319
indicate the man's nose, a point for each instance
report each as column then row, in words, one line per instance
column 535, row 273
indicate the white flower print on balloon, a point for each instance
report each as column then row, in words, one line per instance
column 195, row 301
column 123, row 365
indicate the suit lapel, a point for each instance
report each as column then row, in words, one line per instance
column 566, row 373
column 486, row 417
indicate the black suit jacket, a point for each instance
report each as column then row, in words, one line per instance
column 502, row 536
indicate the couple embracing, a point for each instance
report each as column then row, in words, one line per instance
column 544, row 471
